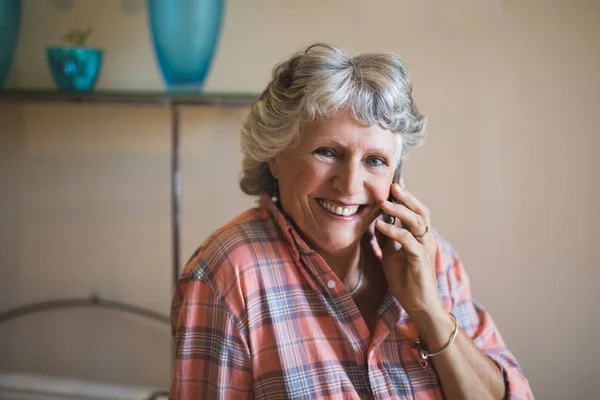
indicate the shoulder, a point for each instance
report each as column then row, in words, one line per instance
column 453, row 281
column 446, row 256
column 234, row 250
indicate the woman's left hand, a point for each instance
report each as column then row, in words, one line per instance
column 410, row 269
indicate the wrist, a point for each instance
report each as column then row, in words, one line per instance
column 425, row 319
column 435, row 327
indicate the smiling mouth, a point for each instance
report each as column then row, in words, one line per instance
column 339, row 210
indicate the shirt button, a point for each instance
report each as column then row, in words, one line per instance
column 331, row 284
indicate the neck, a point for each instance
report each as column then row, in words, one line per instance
column 345, row 264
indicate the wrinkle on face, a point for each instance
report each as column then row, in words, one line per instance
column 335, row 160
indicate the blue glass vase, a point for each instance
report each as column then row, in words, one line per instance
column 74, row 69
column 185, row 35
column 10, row 20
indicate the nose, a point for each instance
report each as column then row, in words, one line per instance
column 348, row 178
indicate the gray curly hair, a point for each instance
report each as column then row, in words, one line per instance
column 318, row 82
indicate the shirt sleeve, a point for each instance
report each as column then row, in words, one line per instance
column 480, row 327
column 212, row 357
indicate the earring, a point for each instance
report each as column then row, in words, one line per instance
column 275, row 192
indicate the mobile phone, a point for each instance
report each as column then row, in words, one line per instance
column 390, row 219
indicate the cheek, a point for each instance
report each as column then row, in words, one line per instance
column 305, row 177
column 312, row 176
column 380, row 187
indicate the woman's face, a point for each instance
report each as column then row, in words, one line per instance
column 332, row 182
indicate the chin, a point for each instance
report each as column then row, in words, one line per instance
column 336, row 243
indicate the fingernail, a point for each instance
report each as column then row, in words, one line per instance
column 402, row 182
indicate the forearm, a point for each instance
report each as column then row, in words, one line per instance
column 465, row 372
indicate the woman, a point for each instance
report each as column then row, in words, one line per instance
column 312, row 295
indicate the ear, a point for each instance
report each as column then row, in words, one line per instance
column 273, row 166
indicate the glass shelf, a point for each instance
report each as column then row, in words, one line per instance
column 165, row 98
column 132, row 97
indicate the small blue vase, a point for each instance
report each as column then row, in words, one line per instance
column 10, row 20
column 185, row 35
column 74, row 69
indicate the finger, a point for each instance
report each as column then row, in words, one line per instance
column 385, row 242
column 406, row 239
column 414, row 204
column 410, row 201
column 410, row 220
column 387, row 245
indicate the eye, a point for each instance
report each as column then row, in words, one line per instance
column 325, row 152
column 376, row 161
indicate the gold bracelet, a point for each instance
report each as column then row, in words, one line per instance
column 426, row 354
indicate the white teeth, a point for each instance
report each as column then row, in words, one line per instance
column 345, row 211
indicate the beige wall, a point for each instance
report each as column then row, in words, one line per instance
column 509, row 172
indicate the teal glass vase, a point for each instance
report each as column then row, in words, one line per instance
column 185, row 34
column 10, row 21
column 74, row 69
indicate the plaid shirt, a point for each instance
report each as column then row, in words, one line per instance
column 258, row 314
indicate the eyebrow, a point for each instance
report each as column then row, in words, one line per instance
column 325, row 139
